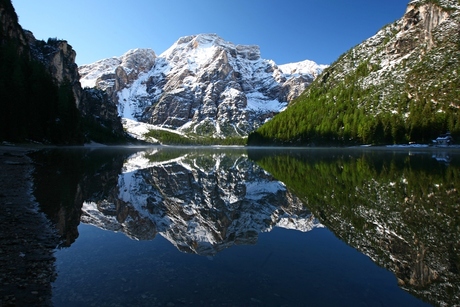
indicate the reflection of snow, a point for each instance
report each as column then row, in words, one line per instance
column 443, row 157
column 257, row 189
column 303, row 224
column 92, row 215
column 199, row 205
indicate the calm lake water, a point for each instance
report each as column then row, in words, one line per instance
column 164, row 226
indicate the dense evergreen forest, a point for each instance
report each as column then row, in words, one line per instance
column 171, row 138
column 400, row 86
column 32, row 106
column 336, row 116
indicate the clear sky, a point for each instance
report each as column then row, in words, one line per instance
column 285, row 30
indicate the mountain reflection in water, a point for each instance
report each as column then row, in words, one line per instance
column 400, row 209
column 201, row 203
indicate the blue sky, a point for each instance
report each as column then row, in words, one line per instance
column 286, row 30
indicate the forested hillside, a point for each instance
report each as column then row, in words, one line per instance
column 401, row 85
column 32, row 105
column 41, row 99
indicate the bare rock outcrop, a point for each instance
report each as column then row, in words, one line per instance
column 10, row 28
column 201, row 85
column 59, row 58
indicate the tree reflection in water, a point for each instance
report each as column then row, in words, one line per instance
column 400, row 209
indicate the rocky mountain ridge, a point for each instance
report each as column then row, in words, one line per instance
column 11, row 31
column 95, row 105
column 201, row 85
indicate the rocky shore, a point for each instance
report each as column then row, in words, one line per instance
column 27, row 238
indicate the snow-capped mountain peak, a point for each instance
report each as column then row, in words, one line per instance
column 302, row 68
column 201, row 85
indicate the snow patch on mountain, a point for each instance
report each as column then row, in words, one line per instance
column 201, row 84
column 92, row 75
column 138, row 130
column 306, row 67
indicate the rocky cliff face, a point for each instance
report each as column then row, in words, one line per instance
column 424, row 26
column 427, row 29
column 38, row 106
column 10, row 28
column 201, row 203
column 420, row 20
column 201, row 85
column 395, row 56
column 114, row 74
column 59, row 58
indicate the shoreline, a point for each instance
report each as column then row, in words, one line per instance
column 27, row 238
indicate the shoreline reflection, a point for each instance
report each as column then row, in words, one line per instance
column 399, row 208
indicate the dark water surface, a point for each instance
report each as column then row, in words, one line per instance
column 253, row 227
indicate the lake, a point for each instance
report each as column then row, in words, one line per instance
column 165, row 226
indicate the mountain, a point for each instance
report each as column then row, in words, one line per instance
column 401, row 85
column 201, row 202
column 40, row 92
column 201, row 85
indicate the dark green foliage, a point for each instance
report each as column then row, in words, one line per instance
column 319, row 117
column 98, row 133
column 166, row 155
column 359, row 100
column 32, row 106
column 170, row 138
column 52, row 40
column 340, row 116
column 343, row 181
column 345, row 114
column 100, row 120
column 354, row 194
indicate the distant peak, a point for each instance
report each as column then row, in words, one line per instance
column 201, row 39
column 303, row 67
column 446, row 4
column 191, row 42
column 138, row 51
